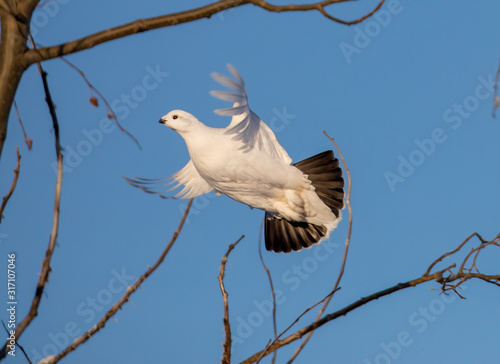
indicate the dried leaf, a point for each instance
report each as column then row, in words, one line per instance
column 94, row 101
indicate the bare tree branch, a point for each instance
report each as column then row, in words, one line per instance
column 226, row 356
column 428, row 271
column 141, row 25
column 496, row 99
column 13, row 35
column 15, row 57
column 137, row 26
column 13, row 186
column 438, row 276
column 109, row 110
column 346, row 249
column 28, row 141
column 272, row 288
column 44, row 275
column 294, row 7
column 117, row 306
column 300, row 333
column 293, row 323
column 353, row 22
column 20, row 347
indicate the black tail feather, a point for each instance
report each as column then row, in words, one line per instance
column 284, row 236
column 326, row 176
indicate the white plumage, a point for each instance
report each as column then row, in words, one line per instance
column 246, row 162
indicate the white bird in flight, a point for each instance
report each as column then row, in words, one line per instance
column 245, row 161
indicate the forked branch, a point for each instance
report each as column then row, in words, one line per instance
column 449, row 281
column 142, row 25
column 226, row 356
column 44, row 275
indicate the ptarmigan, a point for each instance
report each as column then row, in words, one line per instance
column 244, row 161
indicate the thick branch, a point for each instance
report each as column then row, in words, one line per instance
column 15, row 17
column 137, row 26
column 162, row 21
column 12, row 44
column 344, row 311
column 15, row 57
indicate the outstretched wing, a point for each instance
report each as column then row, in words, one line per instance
column 245, row 124
column 188, row 178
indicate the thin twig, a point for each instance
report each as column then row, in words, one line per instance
column 272, row 288
column 352, row 22
column 449, row 253
column 264, row 352
column 109, row 110
column 28, row 141
column 18, row 345
column 346, row 249
column 44, row 275
column 126, row 297
column 226, row 356
column 496, row 99
column 13, row 186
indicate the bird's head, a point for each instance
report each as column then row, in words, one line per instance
column 180, row 121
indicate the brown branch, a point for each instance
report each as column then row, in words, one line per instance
column 346, row 249
column 226, row 356
column 352, row 22
column 20, row 347
column 14, row 25
column 28, row 141
column 344, row 311
column 294, row 7
column 117, row 306
column 427, row 272
column 109, row 110
column 13, row 186
column 496, row 99
column 142, row 25
column 437, row 276
column 264, row 352
column 44, row 275
column 272, row 289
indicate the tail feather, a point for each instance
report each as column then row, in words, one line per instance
column 284, row 236
column 326, row 176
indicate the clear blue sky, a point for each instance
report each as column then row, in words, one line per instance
column 406, row 95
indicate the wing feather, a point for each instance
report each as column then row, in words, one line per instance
column 188, row 178
column 246, row 126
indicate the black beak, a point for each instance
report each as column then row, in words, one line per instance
column 162, row 121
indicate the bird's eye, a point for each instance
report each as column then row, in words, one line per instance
column 175, row 117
